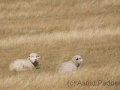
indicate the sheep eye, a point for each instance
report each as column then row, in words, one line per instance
column 77, row 59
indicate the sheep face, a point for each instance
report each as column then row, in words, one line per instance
column 77, row 59
column 33, row 57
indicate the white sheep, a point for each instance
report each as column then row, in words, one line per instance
column 70, row 65
column 25, row 64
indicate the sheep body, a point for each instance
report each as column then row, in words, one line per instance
column 21, row 65
column 25, row 64
column 70, row 65
column 66, row 67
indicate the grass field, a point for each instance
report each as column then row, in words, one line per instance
column 57, row 30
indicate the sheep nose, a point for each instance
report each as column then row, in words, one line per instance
column 81, row 60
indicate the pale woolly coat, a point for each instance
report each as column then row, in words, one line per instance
column 25, row 64
column 66, row 67
column 70, row 65
column 21, row 65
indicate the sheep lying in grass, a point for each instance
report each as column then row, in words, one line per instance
column 25, row 64
column 70, row 65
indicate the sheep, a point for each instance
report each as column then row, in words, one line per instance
column 69, row 65
column 25, row 64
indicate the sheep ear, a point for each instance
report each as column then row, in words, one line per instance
column 38, row 56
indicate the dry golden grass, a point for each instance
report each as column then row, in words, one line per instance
column 57, row 30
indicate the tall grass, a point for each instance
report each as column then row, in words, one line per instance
column 57, row 30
